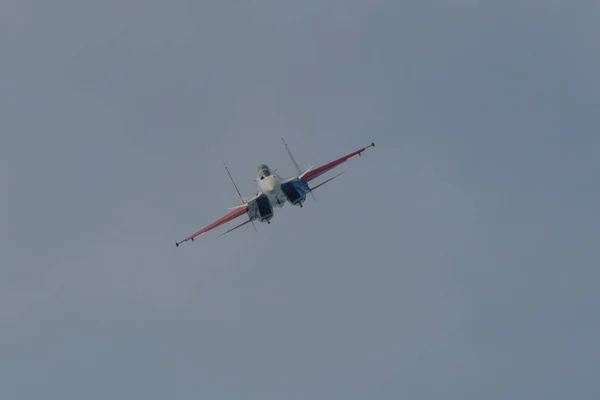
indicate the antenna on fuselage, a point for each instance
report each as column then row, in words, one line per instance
column 295, row 163
column 237, row 190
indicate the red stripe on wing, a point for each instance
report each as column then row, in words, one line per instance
column 312, row 174
column 233, row 214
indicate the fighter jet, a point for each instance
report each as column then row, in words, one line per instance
column 275, row 191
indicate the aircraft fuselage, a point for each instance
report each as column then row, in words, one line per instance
column 269, row 184
column 273, row 191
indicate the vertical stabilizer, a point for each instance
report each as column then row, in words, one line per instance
column 238, row 192
column 298, row 170
column 292, row 157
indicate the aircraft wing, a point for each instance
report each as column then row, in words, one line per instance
column 237, row 212
column 311, row 173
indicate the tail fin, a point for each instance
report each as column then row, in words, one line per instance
column 292, row 157
column 238, row 192
column 295, row 164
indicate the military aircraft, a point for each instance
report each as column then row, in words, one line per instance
column 275, row 191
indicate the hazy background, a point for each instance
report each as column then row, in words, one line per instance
column 458, row 259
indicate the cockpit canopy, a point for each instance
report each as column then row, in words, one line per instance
column 263, row 171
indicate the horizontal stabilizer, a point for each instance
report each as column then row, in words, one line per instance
column 328, row 180
column 235, row 227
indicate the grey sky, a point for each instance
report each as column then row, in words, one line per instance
column 458, row 259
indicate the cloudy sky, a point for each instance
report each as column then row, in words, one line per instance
column 457, row 259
